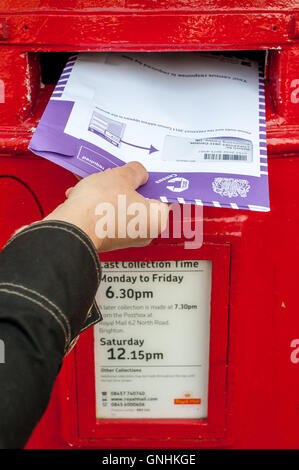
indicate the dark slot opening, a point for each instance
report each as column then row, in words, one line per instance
column 52, row 63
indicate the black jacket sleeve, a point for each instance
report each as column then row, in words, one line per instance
column 49, row 275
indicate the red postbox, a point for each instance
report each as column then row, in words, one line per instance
column 252, row 366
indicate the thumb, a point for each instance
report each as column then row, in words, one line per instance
column 68, row 192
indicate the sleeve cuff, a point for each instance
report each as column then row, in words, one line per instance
column 57, row 262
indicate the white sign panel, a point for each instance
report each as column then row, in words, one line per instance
column 152, row 348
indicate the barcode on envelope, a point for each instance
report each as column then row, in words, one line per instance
column 225, row 156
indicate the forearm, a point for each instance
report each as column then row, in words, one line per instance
column 49, row 274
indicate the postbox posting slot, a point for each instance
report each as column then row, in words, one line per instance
column 52, row 63
column 36, row 73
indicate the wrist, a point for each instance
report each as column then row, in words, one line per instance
column 67, row 212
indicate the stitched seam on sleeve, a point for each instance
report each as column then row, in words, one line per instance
column 23, row 232
column 71, row 345
column 94, row 304
column 97, row 320
column 7, row 291
column 90, row 324
column 88, row 313
column 20, row 286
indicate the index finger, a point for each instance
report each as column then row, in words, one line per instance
column 135, row 174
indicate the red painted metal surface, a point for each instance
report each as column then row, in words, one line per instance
column 261, row 406
column 29, row 188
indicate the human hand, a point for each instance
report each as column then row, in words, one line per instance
column 108, row 209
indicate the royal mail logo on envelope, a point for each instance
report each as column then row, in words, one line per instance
column 231, row 187
column 196, row 115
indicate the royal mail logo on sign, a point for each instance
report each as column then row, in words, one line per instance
column 187, row 401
